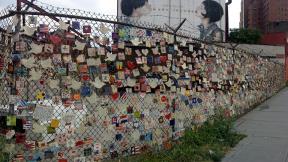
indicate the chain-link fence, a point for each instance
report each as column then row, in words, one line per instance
column 81, row 86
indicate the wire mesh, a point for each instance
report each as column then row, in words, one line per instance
column 63, row 116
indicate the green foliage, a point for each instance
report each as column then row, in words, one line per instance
column 3, row 156
column 247, row 36
column 208, row 143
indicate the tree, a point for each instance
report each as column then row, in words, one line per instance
column 247, row 36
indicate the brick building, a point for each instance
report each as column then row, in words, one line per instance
column 271, row 18
column 265, row 15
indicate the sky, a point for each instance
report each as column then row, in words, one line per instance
column 109, row 7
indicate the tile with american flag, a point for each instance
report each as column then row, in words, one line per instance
column 18, row 157
column 123, row 118
column 123, row 95
column 2, row 62
column 135, row 150
column 27, row 124
column 30, row 145
column 43, row 28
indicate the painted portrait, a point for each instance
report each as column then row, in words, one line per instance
column 135, row 9
column 205, row 18
column 210, row 12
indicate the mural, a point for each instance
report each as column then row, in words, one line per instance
column 205, row 19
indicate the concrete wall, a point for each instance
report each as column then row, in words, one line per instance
column 273, row 52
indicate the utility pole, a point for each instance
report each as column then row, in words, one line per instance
column 227, row 19
column 286, row 57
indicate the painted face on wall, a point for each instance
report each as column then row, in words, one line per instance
column 211, row 10
column 200, row 11
column 142, row 11
column 135, row 8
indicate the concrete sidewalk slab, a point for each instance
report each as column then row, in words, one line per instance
column 266, row 128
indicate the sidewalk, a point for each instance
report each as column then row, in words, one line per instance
column 267, row 130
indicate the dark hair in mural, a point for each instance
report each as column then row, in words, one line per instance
column 127, row 6
column 214, row 10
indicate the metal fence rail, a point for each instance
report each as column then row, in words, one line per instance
column 98, row 106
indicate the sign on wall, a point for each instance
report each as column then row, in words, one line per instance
column 205, row 18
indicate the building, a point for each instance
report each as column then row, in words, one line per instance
column 269, row 16
column 242, row 13
column 250, row 12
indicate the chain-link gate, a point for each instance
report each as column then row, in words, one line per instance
column 79, row 86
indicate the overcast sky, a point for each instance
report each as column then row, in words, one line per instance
column 107, row 7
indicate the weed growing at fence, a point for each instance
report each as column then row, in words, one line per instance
column 3, row 155
column 208, row 143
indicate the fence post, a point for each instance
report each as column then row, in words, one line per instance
column 18, row 16
column 176, row 29
column 286, row 58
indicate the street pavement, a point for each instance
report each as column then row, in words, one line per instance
column 266, row 128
